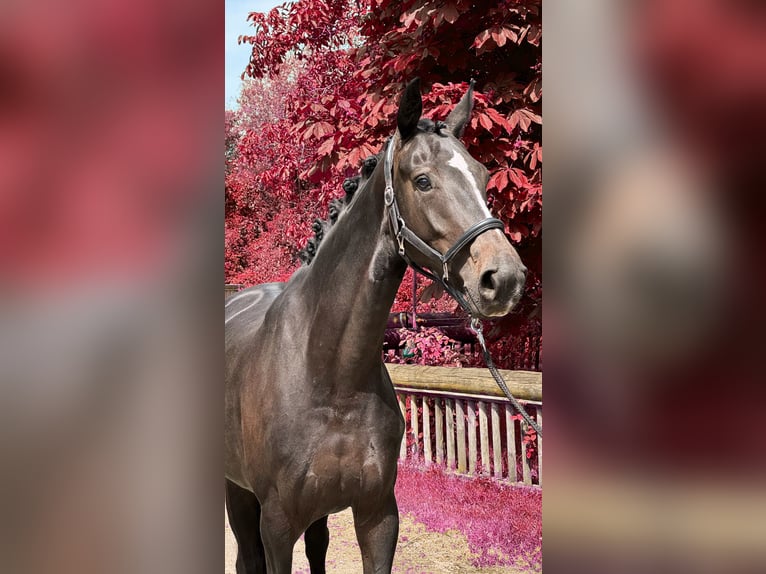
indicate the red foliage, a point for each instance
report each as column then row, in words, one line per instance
column 326, row 78
column 503, row 523
column 427, row 346
column 529, row 442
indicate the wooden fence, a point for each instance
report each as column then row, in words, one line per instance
column 460, row 420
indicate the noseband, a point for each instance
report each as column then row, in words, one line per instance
column 404, row 235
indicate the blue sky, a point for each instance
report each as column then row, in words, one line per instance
column 237, row 56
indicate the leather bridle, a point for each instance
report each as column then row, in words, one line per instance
column 404, row 235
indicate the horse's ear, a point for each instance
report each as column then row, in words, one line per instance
column 461, row 113
column 410, row 108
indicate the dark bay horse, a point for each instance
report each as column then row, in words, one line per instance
column 312, row 421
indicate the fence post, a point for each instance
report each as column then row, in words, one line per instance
column 540, row 447
column 426, row 431
column 472, row 437
column 497, row 446
column 484, row 437
column 414, row 420
column 439, row 424
column 403, row 445
column 460, row 423
column 510, row 437
column 525, row 467
column 450, row 433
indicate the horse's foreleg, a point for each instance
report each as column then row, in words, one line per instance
column 376, row 531
column 245, row 521
column 278, row 537
column 317, row 539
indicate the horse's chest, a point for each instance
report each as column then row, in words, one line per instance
column 352, row 455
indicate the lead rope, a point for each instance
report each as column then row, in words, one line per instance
column 477, row 328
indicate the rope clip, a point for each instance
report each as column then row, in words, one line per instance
column 400, row 240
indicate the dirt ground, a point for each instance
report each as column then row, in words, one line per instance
column 419, row 551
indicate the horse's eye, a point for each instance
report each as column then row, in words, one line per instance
column 423, row 183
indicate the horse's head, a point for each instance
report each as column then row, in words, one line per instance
column 440, row 193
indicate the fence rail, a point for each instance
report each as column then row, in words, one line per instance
column 460, row 420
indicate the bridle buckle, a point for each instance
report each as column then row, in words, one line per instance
column 388, row 196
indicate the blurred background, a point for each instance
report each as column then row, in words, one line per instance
column 110, row 231
column 654, row 181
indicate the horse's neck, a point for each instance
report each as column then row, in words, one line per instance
column 352, row 282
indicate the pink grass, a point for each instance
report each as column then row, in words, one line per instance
column 501, row 522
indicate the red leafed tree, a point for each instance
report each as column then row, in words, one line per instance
column 325, row 80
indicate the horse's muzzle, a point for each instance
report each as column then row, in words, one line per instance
column 500, row 288
column 494, row 276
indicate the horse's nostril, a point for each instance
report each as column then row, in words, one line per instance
column 488, row 280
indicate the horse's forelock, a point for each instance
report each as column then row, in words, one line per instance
column 429, row 126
